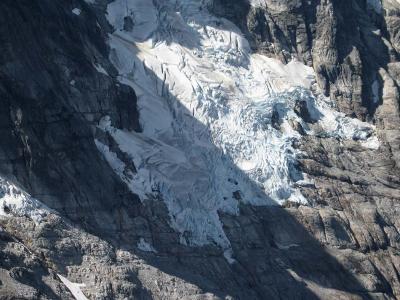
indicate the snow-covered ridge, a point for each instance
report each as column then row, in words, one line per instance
column 207, row 106
column 16, row 202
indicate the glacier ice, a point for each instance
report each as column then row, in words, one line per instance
column 375, row 91
column 207, row 106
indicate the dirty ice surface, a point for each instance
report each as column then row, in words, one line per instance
column 207, row 107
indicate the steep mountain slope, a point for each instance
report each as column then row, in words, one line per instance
column 186, row 149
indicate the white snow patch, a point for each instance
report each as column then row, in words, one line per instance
column 16, row 202
column 145, row 246
column 375, row 91
column 76, row 11
column 228, row 254
column 138, row 183
column 74, row 288
column 258, row 3
column 100, row 69
column 206, row 108
column 371, row 143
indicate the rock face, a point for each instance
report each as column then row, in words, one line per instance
column 57, row 83
column 347, row 42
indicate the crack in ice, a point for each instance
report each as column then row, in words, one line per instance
column 207, row 106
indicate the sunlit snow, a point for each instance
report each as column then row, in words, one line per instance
column 74, row 288
column 16, row 202
column 100, row 69
column 206, row 108
column 76, row 11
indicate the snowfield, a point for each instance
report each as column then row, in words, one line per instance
column 16, row 202
column 207, row 108
column 74, row 288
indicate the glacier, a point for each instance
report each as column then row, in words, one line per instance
column 207, row 107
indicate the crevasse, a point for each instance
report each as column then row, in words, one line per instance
column 207, row 106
